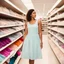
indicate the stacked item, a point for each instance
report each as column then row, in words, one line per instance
column 61, row 29
column 4, row 53
column 58, row 42
column 61, row 15
column 61, row 44
column 16, row 44
column 60, row 23
column 4, row 41
column 53, row 23
column 2, row 57
column 18, row 28
column 5, row 10
column 10, row 12
column 4, row 31
column 4, row 22
column 15, row 14
column 12, row 60
column 15, row 36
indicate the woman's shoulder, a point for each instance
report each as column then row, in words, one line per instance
column 39, row 21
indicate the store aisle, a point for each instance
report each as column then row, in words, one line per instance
column 48, row 56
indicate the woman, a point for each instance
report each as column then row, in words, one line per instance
column 32, row 38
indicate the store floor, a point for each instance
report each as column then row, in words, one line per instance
column 47, row 54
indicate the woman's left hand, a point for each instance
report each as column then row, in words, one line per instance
column 41, row 45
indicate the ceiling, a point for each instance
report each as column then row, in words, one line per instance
column 41, row 6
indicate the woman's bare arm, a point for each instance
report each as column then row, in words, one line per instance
column 26, row 30
column 40, row 32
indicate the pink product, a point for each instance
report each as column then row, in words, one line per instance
column 13, row 47
column 4, row 41
column 62, row 46
column 18, row 53
column 6, row 52
column 7, row 30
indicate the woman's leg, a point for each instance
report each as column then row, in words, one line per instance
column 31, row 61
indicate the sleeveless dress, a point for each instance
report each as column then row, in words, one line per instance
column 31, row 46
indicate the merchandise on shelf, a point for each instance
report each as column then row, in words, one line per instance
column 2, row 57
column 4, row 41
column 6, row 52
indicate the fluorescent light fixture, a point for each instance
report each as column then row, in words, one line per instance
column 14, row 6
column 28, row 4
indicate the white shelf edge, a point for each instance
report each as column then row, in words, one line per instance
column 57, row 37
column 14, row 6
column 11, row 33
column 11, row 26
column 57, row 45
column 56, row 24
column 9, row 44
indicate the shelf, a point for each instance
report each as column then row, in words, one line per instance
column 56, row 25
column 57, row 45
column 58, row 4
column 7, row 57
column 10, row 43
column 5, row 15
column 10, row 5
column 57, row 51
column 59, row 38
column 56, row 30
column 54, row 18
column 11, row 33
column 11, row 26
column 17, row 60
column 59, row 10
column 58, row 17
column 61, row 16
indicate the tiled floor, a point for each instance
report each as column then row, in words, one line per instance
column 47, row 54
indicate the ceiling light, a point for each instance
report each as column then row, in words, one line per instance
column 28, row 4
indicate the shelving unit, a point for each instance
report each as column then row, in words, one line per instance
column 3, row 14
column 59, row 38
column 58, row 53
column 10, row 5
column 44, row 26
column 55, row 19
column 11, row 13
